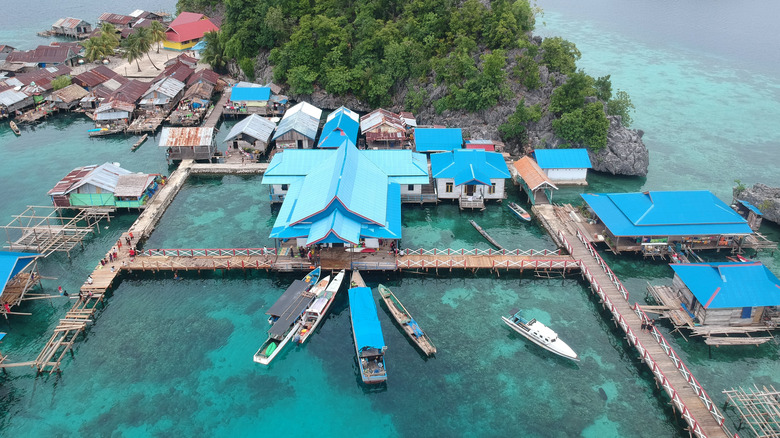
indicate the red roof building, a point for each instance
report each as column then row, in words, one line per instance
column 186, row 30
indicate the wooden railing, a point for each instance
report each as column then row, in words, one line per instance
column 482, row 252
column 614, row 278
column 206, row 252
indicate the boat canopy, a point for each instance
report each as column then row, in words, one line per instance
column 318, row 305
column 290, row 315
column 287, row 298
column 365, row 324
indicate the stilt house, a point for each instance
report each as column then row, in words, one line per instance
column 564, row 166
column 533, row 180
column 106, row 185
column 188, row 143
column 341, row 126
column 254, row 131
column 18, row 274
column 469, row 175
column 431, row 140
column 298, row 128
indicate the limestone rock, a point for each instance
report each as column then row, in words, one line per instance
column 625, row 153
column 766, row 198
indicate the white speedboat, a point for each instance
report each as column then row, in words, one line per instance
column 539, row 334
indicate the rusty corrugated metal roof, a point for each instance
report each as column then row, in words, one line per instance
column 532, row 174
column 186, row 137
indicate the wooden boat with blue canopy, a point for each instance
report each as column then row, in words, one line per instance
column 366, row 332
column 405, row 320
column 285, row 316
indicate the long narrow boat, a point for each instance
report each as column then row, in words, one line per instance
column 285, row 316
column 519, row 211
column 485, row 234
column 319, row 308
column 14, row 128
column 405, row 320
column 366, row 332
column 539, row 334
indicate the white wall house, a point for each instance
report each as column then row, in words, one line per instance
column 564, row 166
column 471, row 175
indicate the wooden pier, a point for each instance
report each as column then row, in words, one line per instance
column 688, row 397
column 212, row 118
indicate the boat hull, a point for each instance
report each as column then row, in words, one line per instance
column 366, row 375
column 557, row 347
column 334, row 288
column 399, row 315
column 264, row 359
column 519, row 212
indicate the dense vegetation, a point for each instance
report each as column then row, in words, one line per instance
column 377, row 48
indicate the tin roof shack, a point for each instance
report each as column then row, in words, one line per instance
column 298, row 128
column 651, row 222
column 140, row 13
column 98, row 75
column 750, row 212
column 205, row 75
column 67, row 98
column 254, row 131
column 469, row 175
column 535, row 183
column 485, row 145
column 428, row 140
column 564, row 166
column 184, row 59
column 71, row 27
column 383, row 130
column 46, row 56
column 249, row 100
column 18, row 275
column 188, row 143
column 5, row 50
column 163, row 95
column 118, row 20
column 106, row 185
column 12, row 100
column 341, row 126
column 720, row 296
column 186, row 30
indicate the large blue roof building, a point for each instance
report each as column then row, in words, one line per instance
column 341, row 196
column 469, row 175
column 651, row 221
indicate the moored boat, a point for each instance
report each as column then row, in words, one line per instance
column 14, row 128
column 366, row 332
column 519, row 211
column 319, row 307
column 405, row 320
column 285, row 315
column 539, row 334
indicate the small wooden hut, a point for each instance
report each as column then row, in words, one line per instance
column 254, row 131
column 533, row 180
column 298, row 128
column 188, row 143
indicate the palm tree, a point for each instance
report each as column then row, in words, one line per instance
column 157, row 31
column 96, row 48
column 145, row 41
column 214, row 54
column 133, row 49
column 108, row 33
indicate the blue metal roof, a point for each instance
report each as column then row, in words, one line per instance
column 344, row 198
column 365, row 323
column 680, row 213
column 11, row 263
column 402, row 166
column 469, row 166
column 750, row 206
column 242, row 94
column 730, row 285
column 437, row 139
column 563, row 158
column 342, row 126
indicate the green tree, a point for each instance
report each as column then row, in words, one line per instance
column 571, row 95
column 586, row 126
column 301, row 79
column 560, row 55
column 516, row 125
column 60, row 82
column 621, row 106
column 133, row 49
column 214, row 53
column 248, row 67
column 145, row 41
column 96, row 48
column 603, row 88
column 110, row 35
column 157, row 33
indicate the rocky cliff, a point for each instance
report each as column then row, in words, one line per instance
column 766, row 198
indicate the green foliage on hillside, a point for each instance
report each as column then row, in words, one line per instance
column 621, row 106
column 474, row 51
column 60, row 82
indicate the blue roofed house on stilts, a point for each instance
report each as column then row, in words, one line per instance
column 470, row 175
column 720, row 296
column 652, row 222
column 564, row 166
column 429, row 140
column 342, row 197
column 341, row 126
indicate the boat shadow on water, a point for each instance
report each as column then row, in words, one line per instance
column 541, row 353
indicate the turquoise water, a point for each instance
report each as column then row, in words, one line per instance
column 173, row 358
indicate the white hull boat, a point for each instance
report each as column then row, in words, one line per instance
column 539, row 334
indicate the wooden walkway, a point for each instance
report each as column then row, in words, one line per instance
column 688, row 397
column 212, row 119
